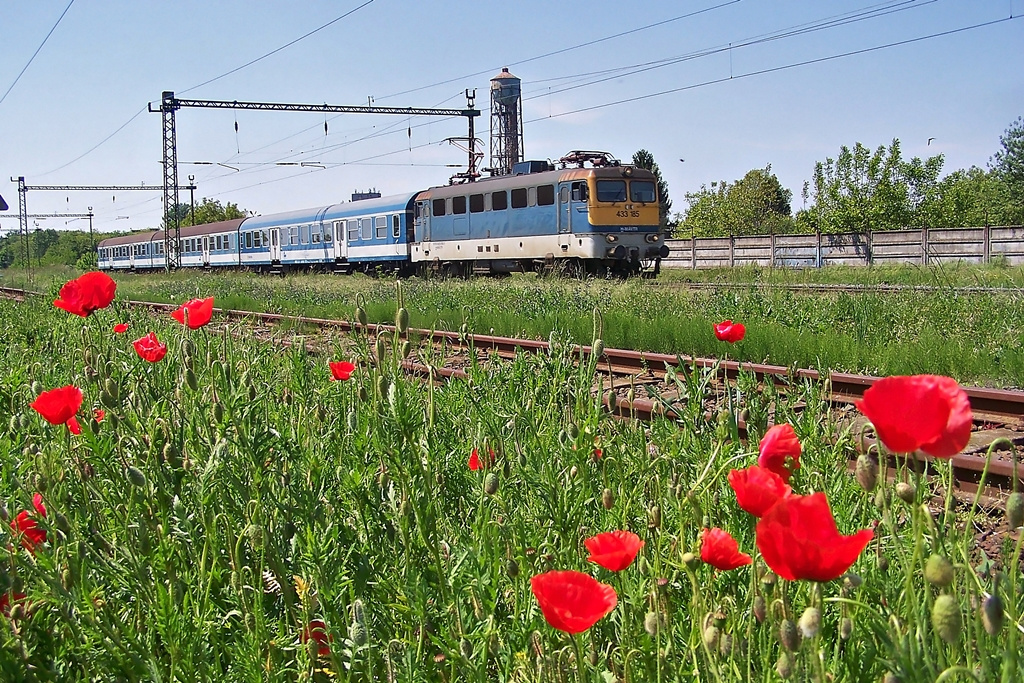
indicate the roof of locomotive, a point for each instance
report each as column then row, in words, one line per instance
column 530, row 179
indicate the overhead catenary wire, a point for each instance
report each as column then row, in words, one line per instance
column 32, row 58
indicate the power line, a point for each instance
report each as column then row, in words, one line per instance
column 32, row 58
column 285, row 46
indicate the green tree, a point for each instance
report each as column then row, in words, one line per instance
column 864, row 190
column 207, row 211
column 756, row 204
column 1008, row 166
column 644, row 159
column 967, row 199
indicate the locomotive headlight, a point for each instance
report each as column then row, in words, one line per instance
column 611, row 238
column 652, row 237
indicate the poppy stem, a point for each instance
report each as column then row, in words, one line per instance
column 579, row 658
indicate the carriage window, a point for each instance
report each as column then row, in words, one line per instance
column 476, row 203
column 438, row 207
column 266, row 237
column 499, row 201
column 315, row 234
column 396, row 226
column 220, row 242
column 353, row 230
column 519, row 198
column 293, row 235
column 642, row 191
column 611, row 190
column 458, row 205
column 381, row 224
column 248, row 240
column 579, row 192
column 304, row 234
column 366, row 228
column 546, row 195
column 328, row 233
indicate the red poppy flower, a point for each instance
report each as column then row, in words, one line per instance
column 757, row 489
column 721, row 550
column 57, row 406
column 780, row 451
column 476, row 462
column 728, row 331
column 28, row 528
column 572, row 601
column 86, row 294
column 8, row 599
column 926, row 412
column 149, row 348
column 120, row 328
column 316, row 631
column 99, row 414
column 614, row 550
column 342, row 370
column 73, row 426
column 194, row 313
column 798, row 539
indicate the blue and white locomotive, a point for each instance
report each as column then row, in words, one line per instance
column 600, row 220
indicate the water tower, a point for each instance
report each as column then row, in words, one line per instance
column 506, row 122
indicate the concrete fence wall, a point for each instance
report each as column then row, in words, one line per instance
column 921, row 246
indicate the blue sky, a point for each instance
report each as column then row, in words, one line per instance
column 745, row 83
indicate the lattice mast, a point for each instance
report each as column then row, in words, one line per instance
column 506, row 122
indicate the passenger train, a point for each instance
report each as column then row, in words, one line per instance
column 597, row 220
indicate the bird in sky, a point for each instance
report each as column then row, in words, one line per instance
column 930, row 140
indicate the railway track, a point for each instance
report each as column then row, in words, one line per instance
column 840, row 288
column 999, row 413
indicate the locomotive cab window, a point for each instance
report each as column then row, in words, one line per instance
column 476, row 203
column 580, row 192
column 642, row 191
column 499, row 201
column 611, row 190
column 519, row 198
column 545, row 195
column 459, row 205
column 437, row 207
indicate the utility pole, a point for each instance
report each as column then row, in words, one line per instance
column 170, row 104
column 192, row 196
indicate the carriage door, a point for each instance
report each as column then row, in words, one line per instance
column 275, row 244
column 206, row 250
column 340, row 241
column 422, row 222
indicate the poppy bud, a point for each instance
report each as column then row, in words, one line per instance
column 906, row 492
column 810, row 622
column 379, row 350
column 867, row 472
column 1015, row 509
column 845, row 628
column 41, row 483
column 711, row 635
column 789, row 636
column 725, row 645
column 784, row 667
column 512, row 569
column 111, row 388
column 651, row 624
column 363, row 394
column 597, row 349
column 690, row 561
column 466, row 648
column 491, row 483
column 406, row 349
column 402, row 320
column 190, row 379
column 61, row 522
column 17, row 612
column 883, row 562
column 654, row 517
column 992, row 614
column 938, row 571
column 37, row 387
column 572, row 430
column 353, row 420
column 252, row 391
column 187, row 347
column 573, row 471
column 946, row 619
column 136, row 477
column 358, row 634
column 760, row 609
column 537, row 644
column 382, row 386
column 66, row 579
column 607, row 499
column 361, row 315
column 15, row 423
column 218, row 412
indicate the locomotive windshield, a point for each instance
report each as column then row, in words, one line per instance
column 611, row 190
column 642, row 191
